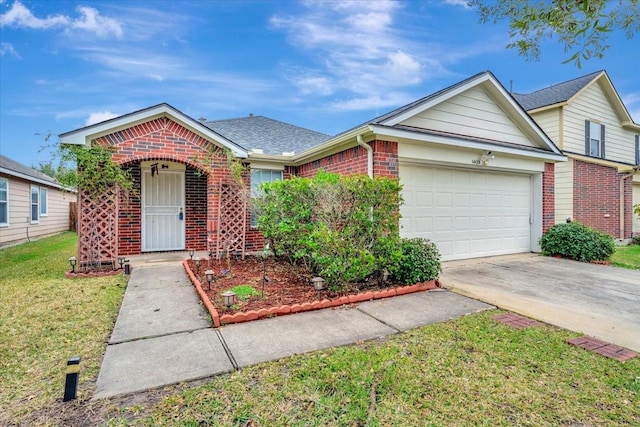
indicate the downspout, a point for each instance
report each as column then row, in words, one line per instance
column 622, row 178
column 369, row 154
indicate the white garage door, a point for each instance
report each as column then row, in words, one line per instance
column 467, row 213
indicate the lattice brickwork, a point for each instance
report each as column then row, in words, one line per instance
column 232, row 214
column 98, row 231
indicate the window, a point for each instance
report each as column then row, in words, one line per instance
column 637, row 149
column 44, row 201
column 258, row 176
column 594, row 139
column 4, row 202
column 35, row 205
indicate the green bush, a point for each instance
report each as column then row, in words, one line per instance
column 577, row 241
column 343, row 228
column 635, row 240
column 419, row 262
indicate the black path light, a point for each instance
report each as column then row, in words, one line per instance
column 197, row 261
column 121, row 261
column 210, row 275
column 73, row 261
column 71, row 379
column 191, row 252
column 265, row 279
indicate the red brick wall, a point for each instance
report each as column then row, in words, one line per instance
column 354, row 161
column 548, row 197
column 596, row 198
column 164, row 140
column 195, row 209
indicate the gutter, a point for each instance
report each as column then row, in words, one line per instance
column 369, row 154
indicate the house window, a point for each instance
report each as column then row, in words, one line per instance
column 44, row 201
column 4, row 202
column 637, row 149
column 594, row 139
column 35, row 205
column 258, row 176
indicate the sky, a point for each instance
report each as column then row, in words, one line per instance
column 322, row 65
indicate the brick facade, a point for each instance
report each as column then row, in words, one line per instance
column 596, row 198
column 548, row 197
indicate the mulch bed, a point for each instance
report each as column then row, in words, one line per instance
column 287, row 285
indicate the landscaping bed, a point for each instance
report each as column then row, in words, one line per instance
column 288, row 289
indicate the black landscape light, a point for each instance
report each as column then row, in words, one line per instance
column 191, row 252
column 121, row 261
column 73, row 261
column 209, row 274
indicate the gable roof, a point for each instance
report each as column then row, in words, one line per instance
column 554, row 94
column 83, row 136
column 11, row 167
column 269, row 135
column 565, row 92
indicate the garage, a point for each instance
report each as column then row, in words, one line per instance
column 467, row 212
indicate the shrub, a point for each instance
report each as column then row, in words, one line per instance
column 341, row 227
column 577, row 241
column 420, row 261
column 635, row 240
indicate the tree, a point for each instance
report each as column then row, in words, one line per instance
column 581, row 26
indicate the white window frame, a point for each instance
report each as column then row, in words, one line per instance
column 34, row 204
column 637, row 150
column 256, row 180
column 594, row 136
column 44, row 201
column 5, row 202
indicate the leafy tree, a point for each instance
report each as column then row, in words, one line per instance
column 581, row 26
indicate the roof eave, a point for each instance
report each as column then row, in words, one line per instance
column 84, row 136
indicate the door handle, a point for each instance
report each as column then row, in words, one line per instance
column 181, row 215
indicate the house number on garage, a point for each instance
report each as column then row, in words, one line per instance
column 476, row 161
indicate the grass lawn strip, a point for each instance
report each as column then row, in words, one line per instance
column 44, row 320
column 469, row 371
column 627, row 257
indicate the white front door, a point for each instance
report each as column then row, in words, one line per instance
column 163, row 218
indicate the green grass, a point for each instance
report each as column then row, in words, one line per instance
column 244, row 291
column 627, row 257
column 44, row 320
column 469, row 371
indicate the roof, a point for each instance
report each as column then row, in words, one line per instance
column 269, row 135
column 13, row 168
column 554, row 94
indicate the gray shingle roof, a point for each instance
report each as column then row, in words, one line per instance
column 554, row 94
column 271, row 136
column 11, row 167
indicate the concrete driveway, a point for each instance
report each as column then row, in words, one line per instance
column 599, row 301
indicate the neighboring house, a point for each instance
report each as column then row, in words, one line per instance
column 32, row 204
column 600, row 182
column 474, row 166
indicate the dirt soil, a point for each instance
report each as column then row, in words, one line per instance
column 286, row 284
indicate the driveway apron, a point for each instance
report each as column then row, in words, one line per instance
column 599, row 301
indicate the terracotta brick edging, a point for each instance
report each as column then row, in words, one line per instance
column 70, row 275
column 306, row 306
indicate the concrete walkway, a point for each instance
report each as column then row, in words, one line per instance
column 596, row 300
column 163, row 336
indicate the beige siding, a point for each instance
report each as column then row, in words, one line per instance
column 472, row 113
column 20, row 227
column 592, row 104
column 564, row 190
column 549, row 121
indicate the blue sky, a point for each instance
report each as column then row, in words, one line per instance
column 324, row 65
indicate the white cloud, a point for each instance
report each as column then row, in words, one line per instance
column 462, row 3
column 632, row 102
column 373, row 102
column 89, row 21
column 356, row 47
column 99, row 116
column 8, row 49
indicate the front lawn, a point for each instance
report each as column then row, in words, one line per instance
column 468, row 371
column 46, row 319
column 627, row 257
